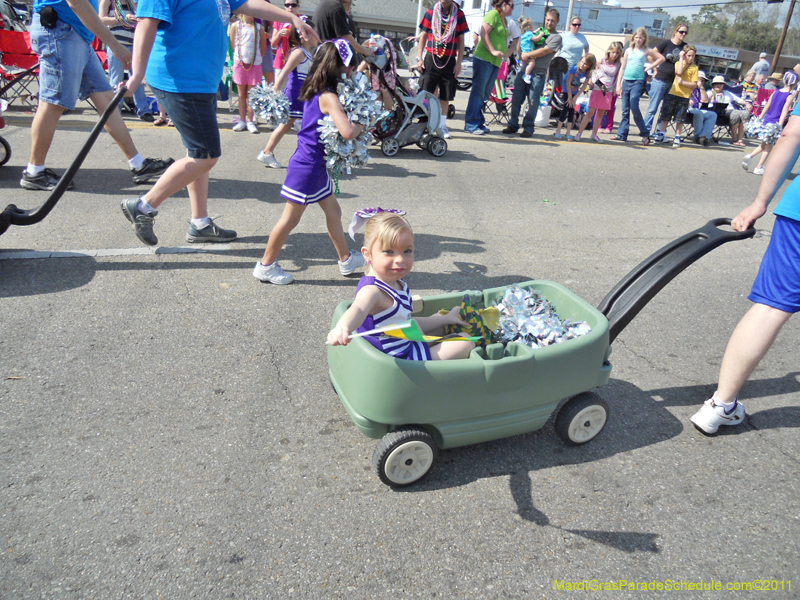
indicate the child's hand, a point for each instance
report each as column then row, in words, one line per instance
column 454, row 318
column 339, row 336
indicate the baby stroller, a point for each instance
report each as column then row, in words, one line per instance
column 558, row 70
column 412, row 119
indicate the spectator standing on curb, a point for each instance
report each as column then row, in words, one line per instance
column 61, row 34
column 489, row 54
column 121, row 20
column 174, row 33
column 676, row 103
column 665, row 73
column 775, row 292
column 573, row 43
column 442, row 36
column 533, row 91
column 761, row 67
column 332, row 22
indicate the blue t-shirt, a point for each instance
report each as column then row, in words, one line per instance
column 65, row 14
column 789, row 205
column 577, row 80
column 191, row 44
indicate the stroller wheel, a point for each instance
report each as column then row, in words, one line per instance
column 451, row 111
column 5, row 151
column 390, row 146
column 437, row 147
column 422, row 142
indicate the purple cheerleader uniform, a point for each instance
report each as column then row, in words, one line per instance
column 295, row 83
column 307, row 179
column 399, row 312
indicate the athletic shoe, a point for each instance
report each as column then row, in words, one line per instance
column 594, row 138
column 142, row 222
column 746, row 162
column 45, row 180
column 659, row 137
column 485, row 129
column 478, row 131
column 709, row 418
column 239, row 126
column 676, row 141
column 446, row 134
column 210, row 234
column 272, row 274
column 758, row 171
column 510, row 129
column 152, row 168
column 269, row 160
column 252, row 127
column 353, row 262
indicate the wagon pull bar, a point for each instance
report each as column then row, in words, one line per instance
column 17, row 216
column 639, row 286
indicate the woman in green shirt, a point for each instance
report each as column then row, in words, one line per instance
column 489, row 53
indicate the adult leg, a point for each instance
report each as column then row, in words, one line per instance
column 333, row 222
column 280, row 232
column 181, row 175
column 43, row 129
column 749, row 343
column 709, row 121
column 115, row 126
column 534, row 94
column 658, row 89
column 624, row 123
column 481, row 75
column 518, row 96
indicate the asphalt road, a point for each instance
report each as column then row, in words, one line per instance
column 168, row 430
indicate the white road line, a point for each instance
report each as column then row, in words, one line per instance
column 28, row 254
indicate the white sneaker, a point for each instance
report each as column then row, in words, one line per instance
column 711, row 416
column 758, row 171
column 297, row 125
column 676, row 141
column 746, row 162
column 446, row 134
column 269, row 160
column 239, row 126
column 272, row 274
column 252, row 127
column 355, row 261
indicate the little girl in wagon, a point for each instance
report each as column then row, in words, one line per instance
column 383, row 298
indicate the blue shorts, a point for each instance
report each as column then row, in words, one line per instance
column 68, row 67
column 195, row 118
column 778, row 281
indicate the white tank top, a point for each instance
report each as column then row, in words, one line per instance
column 245, row 43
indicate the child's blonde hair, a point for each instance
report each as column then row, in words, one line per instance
column 525, row 24
column 614, row 46
column 643, row 33
column 385, row 228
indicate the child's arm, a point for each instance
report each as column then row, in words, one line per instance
column 570, row 97
column 295, row 58
column 263, row 41
column 538, row 38
column 329, row 105
column 622, row 64
column 656, row 58
column 435, row 321
column 786, row 106
column 367, row 298
column 232, row 34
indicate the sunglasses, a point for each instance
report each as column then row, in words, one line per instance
column 291, row 5
column 683, row 32
column 575, row 24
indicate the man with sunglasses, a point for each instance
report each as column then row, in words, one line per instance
column 665, row 75
column 331, row 22
column 573, row 43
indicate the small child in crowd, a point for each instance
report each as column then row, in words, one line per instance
column 293, row 74
column 530, row 40
column 769, row 127
column 676, row 102
column 383, row 298
column 249, row 42
column 605, row 85
column 307, row 180
column 575, row 82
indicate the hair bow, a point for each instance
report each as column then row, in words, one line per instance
column 364, row 215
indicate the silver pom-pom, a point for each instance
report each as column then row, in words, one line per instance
column 270, row 105
column 361, row 105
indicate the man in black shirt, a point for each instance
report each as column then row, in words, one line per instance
column 665, row 74
column 331, row 22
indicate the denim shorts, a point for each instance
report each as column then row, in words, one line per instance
column 195, row 118
column 68, row 67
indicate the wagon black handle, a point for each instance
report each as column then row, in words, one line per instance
column 17, row 216
column 639, row 286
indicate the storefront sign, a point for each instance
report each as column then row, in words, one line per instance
column 717, row 52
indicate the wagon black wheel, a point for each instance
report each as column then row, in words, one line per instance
column 404, row 456
column 451, row 111
column 5, row 151
column 582, row 418
column 390, row 146
column 463, row 85
column 437, row 147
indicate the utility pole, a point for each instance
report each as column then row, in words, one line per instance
column 775, row 58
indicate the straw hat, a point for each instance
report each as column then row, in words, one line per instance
column 718, row 79
column 777, row 76
column 702, row 75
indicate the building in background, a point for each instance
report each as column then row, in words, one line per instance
column 394, row 19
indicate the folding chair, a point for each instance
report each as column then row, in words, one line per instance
column 496, row 108
column 723, row 126
column 762, row 95
column 19, row 66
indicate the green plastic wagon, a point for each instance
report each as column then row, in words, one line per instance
column 416, row 408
